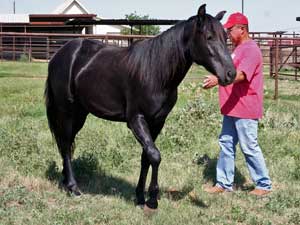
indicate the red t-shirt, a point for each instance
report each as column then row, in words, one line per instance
column 245, row 99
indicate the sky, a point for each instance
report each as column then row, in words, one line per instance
column 263, row 15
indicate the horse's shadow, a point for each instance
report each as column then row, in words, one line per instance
column 93, row 180
column 209, row 174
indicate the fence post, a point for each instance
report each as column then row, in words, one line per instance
column 276, row 68
column 30, row 50
column 14, row 48
column 1, row 47
column 295, row 63
column 48, row 49
column 271, row 60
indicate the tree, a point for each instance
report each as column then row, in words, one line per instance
column 140, row 29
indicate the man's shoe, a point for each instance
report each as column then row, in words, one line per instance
column 259, row 192
column 214, row 190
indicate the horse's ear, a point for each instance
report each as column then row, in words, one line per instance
column 202, row 11
column 220, row 15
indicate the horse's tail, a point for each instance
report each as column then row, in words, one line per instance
column 51, row 110
column 55, row 113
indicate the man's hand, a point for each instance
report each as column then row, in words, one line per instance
column 210, row 81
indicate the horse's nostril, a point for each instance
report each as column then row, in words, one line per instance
column 230, row 76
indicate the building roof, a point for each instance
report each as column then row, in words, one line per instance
column 99, row 21
column 14, row 18
column 45, row 20
column 67, row 5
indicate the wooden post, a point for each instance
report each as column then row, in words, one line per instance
column 276, row 68
column 1, row 47
column 295, row 57
column 271, row 60
column 30, row 50
column 296, row 63
column 14, row 48
column 1, row 42
column 48, row 49
column 280, row 53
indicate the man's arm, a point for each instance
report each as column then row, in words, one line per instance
column 240, row 76
column 211, row 80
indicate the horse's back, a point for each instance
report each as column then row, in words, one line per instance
column 101, row 84
column 79, row 50
column 66, row 63
column 88, row 73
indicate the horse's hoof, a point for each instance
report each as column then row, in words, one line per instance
column 140, row 206
column 149, row 211
column 73, row 190
column 76, row 192
column 139, row 202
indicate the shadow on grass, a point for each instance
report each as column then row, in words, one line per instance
column 209, row 174
column 92, row 179
column 185, row 192
column 199, row 203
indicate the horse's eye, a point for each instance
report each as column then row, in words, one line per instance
column 209, row 38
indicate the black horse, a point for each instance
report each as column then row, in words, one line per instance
column 136, row 85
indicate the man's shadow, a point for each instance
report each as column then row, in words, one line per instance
column 209, row 174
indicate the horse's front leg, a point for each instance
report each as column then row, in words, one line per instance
column 140, row 189
column 141, row 131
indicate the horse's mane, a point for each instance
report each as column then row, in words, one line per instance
column 155, row 61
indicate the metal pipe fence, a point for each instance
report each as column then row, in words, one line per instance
column 33, row 46
column 281, row 54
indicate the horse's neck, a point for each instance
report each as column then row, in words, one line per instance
column 181, row 64
column 180, row 75
column 162, row 61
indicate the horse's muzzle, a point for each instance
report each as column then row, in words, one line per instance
column 229, row 78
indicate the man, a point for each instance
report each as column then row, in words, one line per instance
column 241, row 104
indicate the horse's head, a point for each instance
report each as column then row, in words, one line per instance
column 207, row 45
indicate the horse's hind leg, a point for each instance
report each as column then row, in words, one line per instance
column 70, row 125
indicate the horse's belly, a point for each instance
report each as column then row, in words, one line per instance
column 101, row 96
column 106, row 109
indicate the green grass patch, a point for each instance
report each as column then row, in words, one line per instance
column 107, row 160
column 22, row 69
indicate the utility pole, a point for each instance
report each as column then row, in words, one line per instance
column 242, row 6
column 14, row 7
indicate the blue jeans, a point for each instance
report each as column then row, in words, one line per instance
column 244, row 131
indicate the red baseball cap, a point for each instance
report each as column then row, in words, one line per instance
column 234, row 19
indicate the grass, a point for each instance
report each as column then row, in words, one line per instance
column 106, row 160
column 23, row 69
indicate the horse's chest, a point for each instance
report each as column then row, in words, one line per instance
column 159, row 105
